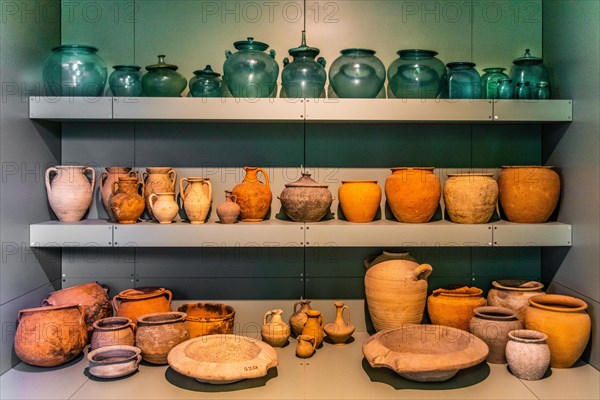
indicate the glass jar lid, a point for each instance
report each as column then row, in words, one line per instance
column 250, row 44
column 162, row 64
column 413, row 54
column 527, row 59
column 357, row 51
column 75, row 47
column 207, row 71
column 124, row 67
column 461, row 65
column 303, row 49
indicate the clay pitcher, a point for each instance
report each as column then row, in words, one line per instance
column 52, row 335
column 196, row 197
column 275, row 332
column 229, row 211
column 132, row 303
column 299, row 317
column 470, row 198
column 127, row 204
column 314, row 326
column 158, row 180
column 70, row 192
column 360, row 200
column 113, row 331
column 340, row 331
column 306, row 346
column 413, row 194
column 107, row 181
column 253, row 196
column 164, row 207
column 158, row 333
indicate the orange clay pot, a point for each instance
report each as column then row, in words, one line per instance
column 359, row 200
column 253, row 196
column 413, row 194
column 132, row 303
column 454, row 307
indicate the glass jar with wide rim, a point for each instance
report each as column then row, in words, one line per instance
column 417, row 74
column 125, row 81
column 357, row 73
column 490, row 82
column 462, row 81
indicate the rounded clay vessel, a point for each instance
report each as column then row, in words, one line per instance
column 413, row 194
column 275, row 332
column 513, row 294
column 158, row 180
column 229, row 211
column 470, row 198
column 158, row 333
column 208, row 318
column 113, row 331
column 253, row 196
column 359, row 200
column 114, row 361
column 454, row 307
column 196, row 197
column 492, row 324
column 163, row 206
column 128, row 204
column 70, row 192
column 340, row 330
column 528, row 354
column 305, row 200
column 132, row 303
column 107, row 181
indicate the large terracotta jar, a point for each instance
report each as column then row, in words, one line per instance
column 196, row 197
column 275, row 331
column 565, row 321
column 208, row 318
column 300, row 316
column 132, row 303
column 305, row 200
column 107, row 181
column 158, row 180
column 470, row 198
column 91, row 296
column 514, row 294
column 359, row 200
column 128, row 204
column 164, row 207
column 229, row 210
column 413, row 194
column 158, row 333
column 454, row 307
column 70, row 191
column 528, row 194
column 113, row 331
column 396, row 292
column 52, row 335
column 253, row 196
column 528, row 354
column 492, row 324
column 314, row 327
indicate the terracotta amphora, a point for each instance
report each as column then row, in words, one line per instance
column 314, row 326
column 299, row 317
column 514, row 294
column 360, row 200
column 196, row 197
column 132, row 303
column 396, row 291
column 413, row 194
column 92, row 296
column 306, row 346
column 339, row 331
column 108, row 177
column 128, row 204
column 164, row 207
column 528, row 354
column 229, row 211
column 565, row 320
column 275, row 332
column 528, row 194
column 70, row 192
column 492, row 324
column 470, row 198
column 253, row 196
column 158, row 333
column 158, row 180
column 50, row 336
column 113, row 331
column 454, row 307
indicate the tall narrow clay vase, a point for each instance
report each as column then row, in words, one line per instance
column 132, row 303
column 314, row 326
column 492, row 324
column 413, row 194
column 253, row 196
column 128, row 204
column 454, row 307
column 528, row 194
column 470, row 198
column 359, row 200
column 339, row 331
column 275, row 332
column 69, row 191
column 229, row 211
column 197, row 198
column 565, row 320
column 158, row 180
column 107, row 181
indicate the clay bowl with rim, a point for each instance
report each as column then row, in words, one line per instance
column 222, row 359
column 425, row 353
column 114, row 361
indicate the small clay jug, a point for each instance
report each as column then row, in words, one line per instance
column 128, row 204
column 229, row 211
column 275, row 332
column 528, row 354
column 514, row 294
column 196, row 197
column 70, row 192
column 299, row 317
column 158, row 333
column 314, row 326
column 454, row 306
column 132, row 303
column 164, row 207
column 108, row 177
column 158, row 180
column 253, row 196
column 306, row 346
column 340, row 331
column 492, row 324
column 413, row 194
column 113, row 331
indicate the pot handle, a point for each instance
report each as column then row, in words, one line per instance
column 144, row 176
column 234, row 198
column 138, row 360
column 422, row 271
column 272, row 53
column 181, row 190
column 299, row 302
column 114, row 187
column 347, row 309
column 133, row 174
column 266, row 177
column 227, row 53
column 143, row 190
column 313, row 340
column 322, row 61
column 209, row 190
column 267, row 316
column 173, row 176
column 169, row 295
column 48, row 171
column 103, row 177
column 115, row 303
column 152, row 196
column 82, row 311
column 47, row 302
column 93, row 183
column 286, row 61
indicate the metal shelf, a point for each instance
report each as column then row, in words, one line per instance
column 509, row 234
column 533, row 110
column 85, row 233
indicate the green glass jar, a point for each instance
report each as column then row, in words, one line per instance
column 490, row 82
column 125, row 81
column 357, row 73
column 206, row 83
column 303, row 77
column 530, row 69
column 416, row 74
column 163, row 80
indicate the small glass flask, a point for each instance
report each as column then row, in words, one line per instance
column 542, row 91
column 523, row 90
column 505, row 89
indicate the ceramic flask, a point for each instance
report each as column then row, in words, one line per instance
column 340, row 331
column 228, row 211
column 275, row 332
column 306, row 346
column 253, row 196
column 107, row 179
column 196, row 197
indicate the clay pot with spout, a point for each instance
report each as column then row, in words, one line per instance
column 107, row 181
column 158, row 180
column 132, row 303
column 339, row 331
column 253, row 196
column 196, row 197
column 229, row 211
column 275, row 332
column 70, row 192
column 127, row 204
column 299, row 317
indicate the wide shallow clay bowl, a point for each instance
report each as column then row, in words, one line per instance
column 425, row 353
column 221, row 359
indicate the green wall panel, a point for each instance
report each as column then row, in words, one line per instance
column 506, row 144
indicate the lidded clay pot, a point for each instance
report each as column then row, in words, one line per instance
column 305, row 200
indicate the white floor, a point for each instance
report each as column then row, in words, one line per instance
column 334, row 372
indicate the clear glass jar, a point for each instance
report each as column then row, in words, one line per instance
column 417, row 74
column 206, row 83
column 462, row 81
column 303, row 77
column 529, row 69
column 506, row 90
column 163, row 80
column 490, row 82
column 542, row 91
column 125, row 81
column 357, row 73
column 523, row 91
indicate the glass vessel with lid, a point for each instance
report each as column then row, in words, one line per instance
column 125, row 81
column 462, row 81
column 206, row 83
column 303, row 77
column 529, row 69
column 490, row 82
column 163, row 80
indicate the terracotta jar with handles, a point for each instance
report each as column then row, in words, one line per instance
column 253, row 196
column 164, row 207
column 108, row 177
column 70, row 192
column 275, row 332
column 196, row 197
column 299, row 317
column 158, row 180
column 229, row 211
column 113, row 331
column 128, row 204
column 339, row 331
column 132, row 303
